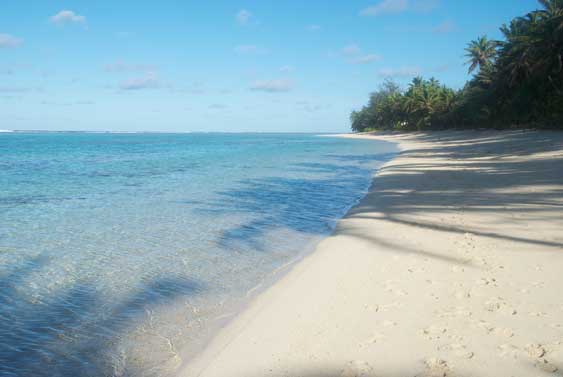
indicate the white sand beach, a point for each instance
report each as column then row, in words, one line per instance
column 452, row 265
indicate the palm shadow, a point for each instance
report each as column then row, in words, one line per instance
column 67, row 334
column 309, row 206
column 469, row 172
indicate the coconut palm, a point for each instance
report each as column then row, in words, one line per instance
column 480, row 52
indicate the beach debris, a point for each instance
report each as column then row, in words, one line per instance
column 357, row 368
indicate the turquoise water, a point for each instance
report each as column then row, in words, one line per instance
column 120, row 253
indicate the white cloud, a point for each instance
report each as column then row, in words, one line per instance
column 399, row 6
column 250, row 50
column 7, row 41
column 67, row 16
column 366, row 59
column 400, row 72
column 218, row 106
column 386, row 6
column 149, row 81
column 120, row 66
column 314, row 27
column 243, row 17
column 272, row 86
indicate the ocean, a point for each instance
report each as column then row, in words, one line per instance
column 121, row 254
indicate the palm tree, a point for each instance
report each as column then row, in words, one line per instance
column 480, row 53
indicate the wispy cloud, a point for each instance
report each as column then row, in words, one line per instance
column 72, row 103
column 399, row 6
column 14, row 89
column 243, row 17
column 310, row 107
column 272, row 86
column 314, row 27
column 148, row 81
column 386, row 6
column 366, row 59
column 9, row 41
column 400, row 72
column 354, row 54
column 250, row 50
column 351, row 50
column 66, row 17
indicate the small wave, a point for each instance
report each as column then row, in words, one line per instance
column 6, row 131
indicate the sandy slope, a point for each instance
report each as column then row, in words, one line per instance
column 451, row 266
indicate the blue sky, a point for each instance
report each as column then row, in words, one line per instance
column 225, row 65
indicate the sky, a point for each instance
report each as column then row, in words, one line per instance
column 225, row 65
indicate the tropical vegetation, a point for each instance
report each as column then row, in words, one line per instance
column 516, row 82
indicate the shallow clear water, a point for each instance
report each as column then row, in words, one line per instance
column 120, row 252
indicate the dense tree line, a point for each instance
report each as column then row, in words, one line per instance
column 516, row 82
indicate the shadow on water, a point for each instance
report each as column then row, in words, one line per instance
column 305, row 205
column 66, row 334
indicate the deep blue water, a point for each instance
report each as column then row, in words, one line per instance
column 119, row 252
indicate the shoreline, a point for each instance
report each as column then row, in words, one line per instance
column 412, row 280
column 223, row 321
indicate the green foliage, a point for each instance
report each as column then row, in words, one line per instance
column 517, row 82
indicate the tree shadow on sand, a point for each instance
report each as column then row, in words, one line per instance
column 475, row 173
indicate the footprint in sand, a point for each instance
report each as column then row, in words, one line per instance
column 375, row 338
column 357, row 368
column 539, row 353
column 458, row 269
column 462, row 295
column 455, row 312
column 535, row 351
column 435, row 368
column 508, row 350
column 487, row 282
column 458, row 350
column 433, row 332
column 497, row 304
column 503, row 332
